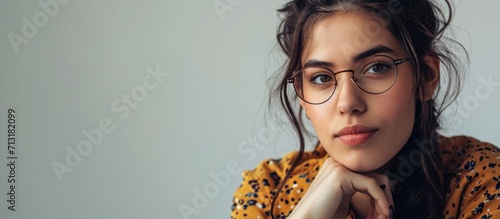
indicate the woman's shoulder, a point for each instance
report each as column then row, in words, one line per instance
column 259, row 185
column 473, row 177
column 457, row 151
column 274, row 169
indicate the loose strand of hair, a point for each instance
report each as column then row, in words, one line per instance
column 285, row 102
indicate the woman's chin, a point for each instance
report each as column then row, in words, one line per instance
column 364, row 167
column 358, row 168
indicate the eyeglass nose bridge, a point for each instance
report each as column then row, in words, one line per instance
column 353, row 79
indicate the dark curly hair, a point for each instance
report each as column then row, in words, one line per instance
column 419, row 26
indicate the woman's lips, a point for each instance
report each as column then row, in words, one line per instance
column 355, row 135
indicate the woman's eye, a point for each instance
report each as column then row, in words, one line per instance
column 378, row 68
column 321, row 79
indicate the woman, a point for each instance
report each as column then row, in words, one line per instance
column 367, row 74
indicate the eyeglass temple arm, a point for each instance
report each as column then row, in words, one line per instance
column 399, row 61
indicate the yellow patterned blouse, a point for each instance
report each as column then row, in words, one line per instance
column 474, row 190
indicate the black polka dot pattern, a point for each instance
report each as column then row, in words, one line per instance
column 473, row 191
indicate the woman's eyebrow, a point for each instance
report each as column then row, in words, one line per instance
column 317, row 63
column 357, row 58
column 372, row 51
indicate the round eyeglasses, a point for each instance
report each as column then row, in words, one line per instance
column 374, row 75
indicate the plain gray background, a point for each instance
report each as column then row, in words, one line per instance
column 183, row 142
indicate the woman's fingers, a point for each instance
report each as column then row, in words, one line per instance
column 375, row 212
column 385, row 185
column 324, row 197
column 379, row 213
column 371, row 187
column 367, row 183
column 331, row 191
column 328, row 166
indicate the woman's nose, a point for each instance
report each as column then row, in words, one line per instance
column 350, row 99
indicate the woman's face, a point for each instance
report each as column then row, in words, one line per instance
column 360, row 130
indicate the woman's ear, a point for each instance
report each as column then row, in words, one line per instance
column 432, row 80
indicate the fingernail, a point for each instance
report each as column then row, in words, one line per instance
column 382, row 186
column 391, row 211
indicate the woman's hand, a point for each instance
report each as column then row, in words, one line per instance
column 331, row 191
